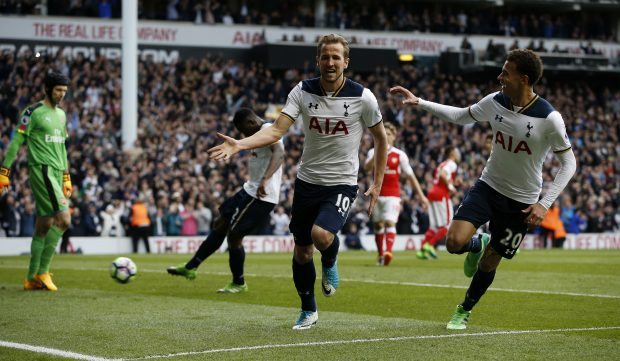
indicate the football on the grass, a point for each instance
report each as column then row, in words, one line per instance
column 123, row 269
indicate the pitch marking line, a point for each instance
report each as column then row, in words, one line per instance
column 52, row 351
column 79, row 356
column 396, row 283
column 430, row 285
column 368, row 340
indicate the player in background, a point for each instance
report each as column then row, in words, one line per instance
column 525, row 127
column 334, row 111
column 43, row 127
column 441, row 208
column 385, row 215
column 249, row 209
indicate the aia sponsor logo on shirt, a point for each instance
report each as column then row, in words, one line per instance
column 328, row 126
column 508, row 143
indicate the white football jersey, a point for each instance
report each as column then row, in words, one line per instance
column 333, row 126
column 257, row 165
column 521, row 140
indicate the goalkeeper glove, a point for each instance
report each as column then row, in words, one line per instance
column 4, row 179
column 67, row 187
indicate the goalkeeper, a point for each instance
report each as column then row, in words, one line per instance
column 42, row 126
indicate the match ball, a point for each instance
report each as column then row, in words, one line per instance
column 123, row 269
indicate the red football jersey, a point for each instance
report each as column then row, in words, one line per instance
column 440, row 190
column 397, row 164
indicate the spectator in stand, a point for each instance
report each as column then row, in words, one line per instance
column 140, row 225
column 204, row 216
column 159, row 222
column 105, row 9
column 27, row 219
column 352, row 238
column 92, row 222
column 190, row 221
column 11, row 217
column 280, row 221
column 541, row 47
column 110, row 222
column 552, row 228
column 466, row 45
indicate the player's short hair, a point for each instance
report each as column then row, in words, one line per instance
column 52, row 79
column 242, row 115
column 528, row 63
column 390, row 126
column 449, row 149
column 333, row 39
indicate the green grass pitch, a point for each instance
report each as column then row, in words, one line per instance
column 543, row 305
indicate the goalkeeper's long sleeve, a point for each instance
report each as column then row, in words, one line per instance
column 12, row 149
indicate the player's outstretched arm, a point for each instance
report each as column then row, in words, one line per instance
column 380, row 140
column 449, row 113
column 263, row 137
column 409, row 97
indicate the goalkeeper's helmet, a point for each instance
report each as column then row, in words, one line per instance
column 52, row 79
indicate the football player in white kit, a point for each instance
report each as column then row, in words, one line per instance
column 525, row 127
column 334, row 111
column 246, row 211
column 386, row 213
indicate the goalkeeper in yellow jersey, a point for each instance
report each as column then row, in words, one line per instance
column 43, row 126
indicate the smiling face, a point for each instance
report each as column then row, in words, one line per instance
column 511, row 80
column 332, row 63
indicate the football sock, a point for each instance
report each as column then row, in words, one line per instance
column 379, row 240
column 304, row 276
column 51, row 241
column 430, row 233
column 36, row 249
column 474, row 245
column 479, row 285
column 329, row 254
column 207, row 247
column 236, row 259
column 441, row 233
column 390, row 236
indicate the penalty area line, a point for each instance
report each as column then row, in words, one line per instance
column 369, row 340
column 53, row 351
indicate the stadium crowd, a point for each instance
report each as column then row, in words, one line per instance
column 512, row 19
column 182, row 105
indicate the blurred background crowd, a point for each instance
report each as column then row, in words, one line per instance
column 182, row 105
column 465, row 17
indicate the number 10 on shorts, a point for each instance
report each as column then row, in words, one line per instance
column 343, row 203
